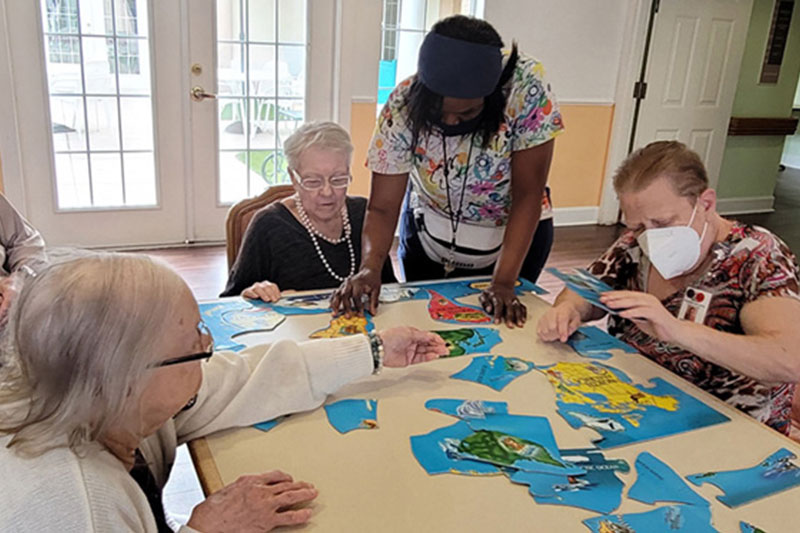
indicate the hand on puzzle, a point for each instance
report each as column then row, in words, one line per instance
column 264, row 290
column 559, row 323
column 260, row 502
column 358, row 293
column 646, row 311
column 405, row 346
column 502, row 303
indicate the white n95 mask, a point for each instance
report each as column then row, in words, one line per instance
column 675, row 250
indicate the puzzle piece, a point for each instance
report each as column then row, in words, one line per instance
column 585, row 285
column 594, row 343
column 341, row 326
column 670, row 519
column 467, row 341
column 465, row 409
column 774, row 474
column 438, row 452
column 269, row 424
column 494, row 371
column 444, row 310
column 231, row 318
column 347, row 415
column 656, row 482
column 603, row 398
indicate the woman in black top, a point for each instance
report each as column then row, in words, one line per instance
column 312, row 239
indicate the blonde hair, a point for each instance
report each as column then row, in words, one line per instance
column 327, row 135
column 85, row 332
column 670, row 159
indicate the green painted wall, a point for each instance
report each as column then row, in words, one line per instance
column 750, row 163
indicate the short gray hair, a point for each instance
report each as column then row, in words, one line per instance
column 85, row 332
column 328, row 135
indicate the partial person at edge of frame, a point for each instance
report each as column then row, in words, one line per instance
column 472, row 129
column 22, row 254
column 312, row 239
column 711, row 299
column 103, row 397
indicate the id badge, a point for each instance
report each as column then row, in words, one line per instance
column 695, row 305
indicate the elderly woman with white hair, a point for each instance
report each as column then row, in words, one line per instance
column 116, row 370
column 312, row 239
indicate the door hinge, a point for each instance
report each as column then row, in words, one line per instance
column 639, row 90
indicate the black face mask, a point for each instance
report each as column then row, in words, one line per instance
column 462, row 128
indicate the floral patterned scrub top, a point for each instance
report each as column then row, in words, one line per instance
column 750, row 263
column 531, row 118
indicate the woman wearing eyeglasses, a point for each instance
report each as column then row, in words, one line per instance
column 116, row 370
column 311, row 240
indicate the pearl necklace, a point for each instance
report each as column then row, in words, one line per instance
column 314, row 233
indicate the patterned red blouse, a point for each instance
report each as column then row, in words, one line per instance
column 750, row 263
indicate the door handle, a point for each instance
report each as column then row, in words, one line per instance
column 199, row 94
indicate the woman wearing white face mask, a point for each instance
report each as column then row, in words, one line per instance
column 711, row 299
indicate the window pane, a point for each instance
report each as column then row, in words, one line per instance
column 262, row 164
column 291, row 114
column 232, row 123
column 103, row 123
column 261, row 24
column 137, row 123
column 229, row 20
column 408, row 44
column 72, row 181
column 232, row 176
column 292, row 71
column 292, row 21
column 66, row 114
column 98, row 70
column 133, row 57
column 60, row 16
column 262, row 70
column 263, row 123
column 106, row 179
column 131, row 19
column 231, row 76
column 412, row 15
column 95, row 17
column 140, row 179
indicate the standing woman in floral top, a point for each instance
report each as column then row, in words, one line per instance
column 713, row 300
column 472, row 130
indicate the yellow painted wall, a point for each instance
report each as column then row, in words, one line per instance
column 579, row 162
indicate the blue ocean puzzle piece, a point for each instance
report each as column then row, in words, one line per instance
column 774, row 474
column 517, row 441
column 599, row 490
column 669, row 519
column 269, row 424
column 230, row 318
column 594, row 343
column 465, row 409
column 302, row 304
column 656, row 482
column 350, row 414
column 469, row 341
column 437, row 452
column 585, row 285
column 494, row 371
column 602, row 398
column 750, row 528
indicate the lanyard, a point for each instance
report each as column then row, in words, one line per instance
column 455, row 219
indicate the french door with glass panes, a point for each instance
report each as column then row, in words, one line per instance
column 139, row 122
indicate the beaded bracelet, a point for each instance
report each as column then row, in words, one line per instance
column 376, row 346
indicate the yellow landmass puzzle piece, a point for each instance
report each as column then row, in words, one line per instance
column 573, row 381
column 342, row 326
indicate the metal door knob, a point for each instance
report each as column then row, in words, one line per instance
column 199, row 94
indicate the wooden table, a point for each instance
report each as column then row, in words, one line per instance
column 370, row 480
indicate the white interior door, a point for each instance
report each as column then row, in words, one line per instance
column 692, row 75
column 252, row 58
column 94, row 149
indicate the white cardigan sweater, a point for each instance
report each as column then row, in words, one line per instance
column 60, row 491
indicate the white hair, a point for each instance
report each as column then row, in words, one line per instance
column 327, row 135
column 85, row 332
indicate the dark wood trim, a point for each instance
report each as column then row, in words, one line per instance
column 762, row 126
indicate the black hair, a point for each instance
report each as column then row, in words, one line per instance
column 425, row 106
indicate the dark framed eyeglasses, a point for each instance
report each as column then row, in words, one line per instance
column 207, row 342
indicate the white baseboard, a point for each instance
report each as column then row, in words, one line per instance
column 575, row 216
column 746, row 205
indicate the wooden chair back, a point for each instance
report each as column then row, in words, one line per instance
column 241, row 213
